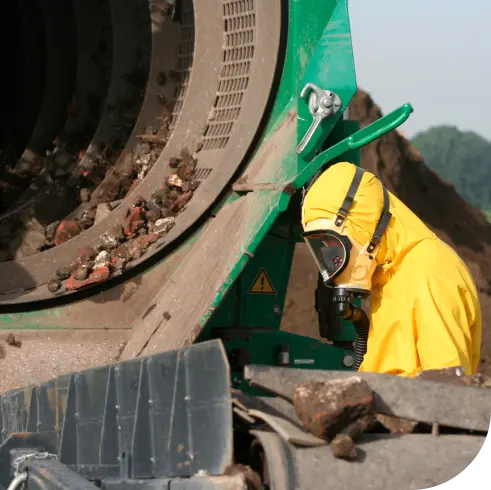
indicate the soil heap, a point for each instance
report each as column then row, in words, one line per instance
column 403, row 171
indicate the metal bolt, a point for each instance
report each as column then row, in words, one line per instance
column 348, row 361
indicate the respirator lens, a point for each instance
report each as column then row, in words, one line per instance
column 330, row 251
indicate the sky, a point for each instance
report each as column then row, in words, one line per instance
column 435, row 54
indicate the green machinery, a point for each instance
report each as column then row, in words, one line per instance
column 163, row 414
column 244, row 301
column 249, row 312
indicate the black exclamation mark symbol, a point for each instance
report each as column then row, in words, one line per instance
column 262, row 283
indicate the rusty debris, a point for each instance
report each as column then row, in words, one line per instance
column 98, row 275
column 99, row 183
column 329, row 408
column 65, row 230
column 337, row 411
column 144, row 223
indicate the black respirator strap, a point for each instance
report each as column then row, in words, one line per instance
column 348, row 200
column 382, row 224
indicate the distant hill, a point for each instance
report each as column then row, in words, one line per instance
column 462, row 158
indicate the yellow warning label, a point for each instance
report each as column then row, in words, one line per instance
column 262, row 284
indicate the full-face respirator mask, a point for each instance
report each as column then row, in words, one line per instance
column 345, row 265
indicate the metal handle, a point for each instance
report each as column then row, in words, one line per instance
column 322, row 104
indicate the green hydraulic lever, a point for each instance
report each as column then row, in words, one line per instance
column 357, row 140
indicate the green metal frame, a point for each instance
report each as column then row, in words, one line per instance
column 319, row 51
column 249, row 323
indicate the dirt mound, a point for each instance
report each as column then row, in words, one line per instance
column 402, row 170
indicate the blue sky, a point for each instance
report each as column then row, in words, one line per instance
column 435, row 54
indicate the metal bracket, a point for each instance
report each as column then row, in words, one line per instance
column 322, row 104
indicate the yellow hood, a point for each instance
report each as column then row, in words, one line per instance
column 326, row 195
column 425, row 311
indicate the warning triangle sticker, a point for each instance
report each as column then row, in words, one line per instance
column 262, row 284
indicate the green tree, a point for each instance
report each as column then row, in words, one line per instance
column 460, row 157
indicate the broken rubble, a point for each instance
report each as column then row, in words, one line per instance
column 102, row 260
column 174, row 162
column 66, row 230
column 180, row 202
column 175, row 180
column 164, row 225
column 51, row 231
column 160, row 197
column 98, row 275
column 153, row 215
column 84, row 255
column 54, row 285
column 63, row 273
column 339, row 406
column 133, row 249
column 134, row 220
column 107, row 242
column 102, row 212
column 11, row 340
column 81, row 272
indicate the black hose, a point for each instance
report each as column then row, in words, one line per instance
column 362, row 325
column 345, row 309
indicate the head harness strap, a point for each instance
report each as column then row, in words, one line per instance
column 382, row 224
column 348, row 202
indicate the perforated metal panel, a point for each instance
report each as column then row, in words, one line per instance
column 238, row 50
column 185, row 61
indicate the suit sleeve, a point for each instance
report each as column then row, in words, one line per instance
column 442, row 325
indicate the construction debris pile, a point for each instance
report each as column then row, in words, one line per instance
column 77, row 187
column 403, row 171
column 143, row 224
column 339, row 411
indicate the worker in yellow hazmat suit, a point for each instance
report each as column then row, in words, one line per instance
column 425, row 311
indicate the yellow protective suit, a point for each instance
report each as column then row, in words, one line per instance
column 425, row 311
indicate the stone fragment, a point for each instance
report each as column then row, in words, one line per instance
column 63, row 273
column 329, row 408
column 13, row 341
column 343, row 447
column 102, row 212
column 397, row 425
column 175, row 180
column 103, row 259
column 54, row 285
column 80, row 272
column 107, row 242
column 134, row 220
column 66, row 230
column 164, row 225
column 181, row 201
